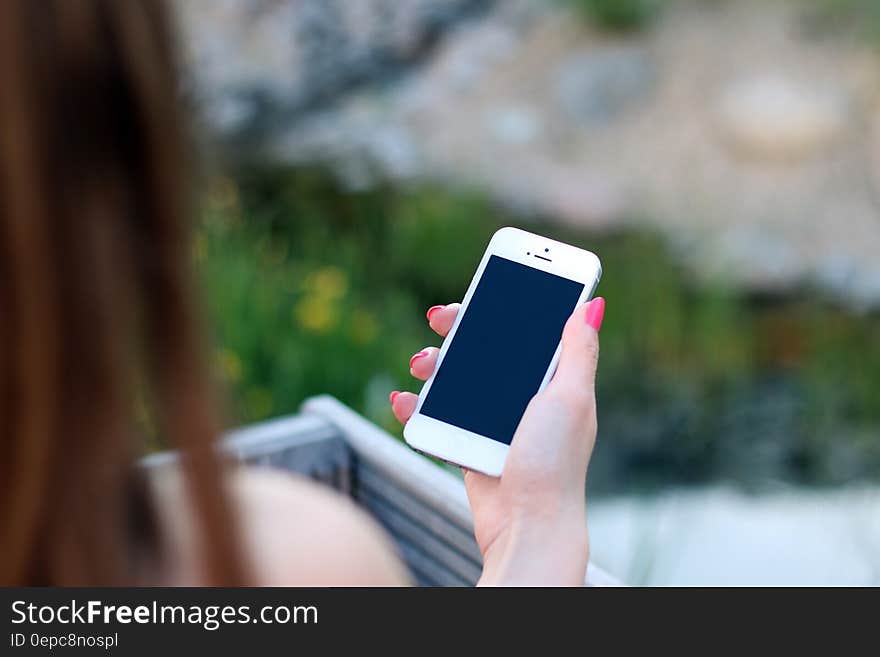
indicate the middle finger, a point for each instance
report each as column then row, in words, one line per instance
column 422, row 364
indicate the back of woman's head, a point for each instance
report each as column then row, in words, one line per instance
column 96, row 318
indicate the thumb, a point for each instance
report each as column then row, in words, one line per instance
column 576, row 372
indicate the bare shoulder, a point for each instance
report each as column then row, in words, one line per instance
column 296, row 532
column 301, row 533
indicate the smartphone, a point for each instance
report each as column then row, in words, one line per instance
column 502, row 349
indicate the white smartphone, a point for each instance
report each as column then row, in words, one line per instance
column 502, row 349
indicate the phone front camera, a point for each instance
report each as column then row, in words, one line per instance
column 546, row 250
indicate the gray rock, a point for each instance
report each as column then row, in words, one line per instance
column 776, row 118
column 599, row 86
column 356, row 141
column 472, row 51
column 514, row 124
column 255, row 63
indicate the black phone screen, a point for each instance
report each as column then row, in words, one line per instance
column 502, row 349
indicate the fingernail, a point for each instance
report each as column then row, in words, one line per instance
column 432, row 310
column 416, row 357
column 393, row 396
column 595, row 312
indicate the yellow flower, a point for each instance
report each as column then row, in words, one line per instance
column 318, row 309
column 229, row 364
column 328, row 282
column 316, row 314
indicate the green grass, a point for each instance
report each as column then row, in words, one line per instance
column 858, row 18
column 315, row 290
column 618, row 15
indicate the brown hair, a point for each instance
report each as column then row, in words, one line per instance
column 95, row 297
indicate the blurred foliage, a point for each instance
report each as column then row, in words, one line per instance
column 314, row 290
column 618, row 15
column 860, row 18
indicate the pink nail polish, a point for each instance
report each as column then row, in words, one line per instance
column 432, row 310
column 596, row 312
column 393, row 396
column 421, row 354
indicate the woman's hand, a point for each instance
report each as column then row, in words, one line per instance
column 530, row 523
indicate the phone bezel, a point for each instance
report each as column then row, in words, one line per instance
column 466, row 448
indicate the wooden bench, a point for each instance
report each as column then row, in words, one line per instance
column 422, row 506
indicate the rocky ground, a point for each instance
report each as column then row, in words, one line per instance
column 745, row 131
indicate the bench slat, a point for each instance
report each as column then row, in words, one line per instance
column 368, row 481
column 403, row 527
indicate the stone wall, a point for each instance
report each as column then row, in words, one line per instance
column 255, row 63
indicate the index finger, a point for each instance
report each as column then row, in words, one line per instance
column 441, row 318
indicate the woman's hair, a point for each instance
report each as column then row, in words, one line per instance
column 96, row 310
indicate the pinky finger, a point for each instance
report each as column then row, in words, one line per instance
column 404, row 405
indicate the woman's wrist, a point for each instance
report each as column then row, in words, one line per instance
column 538, row 552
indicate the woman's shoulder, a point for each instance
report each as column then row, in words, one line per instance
column 304, row 533
column 295, row 532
